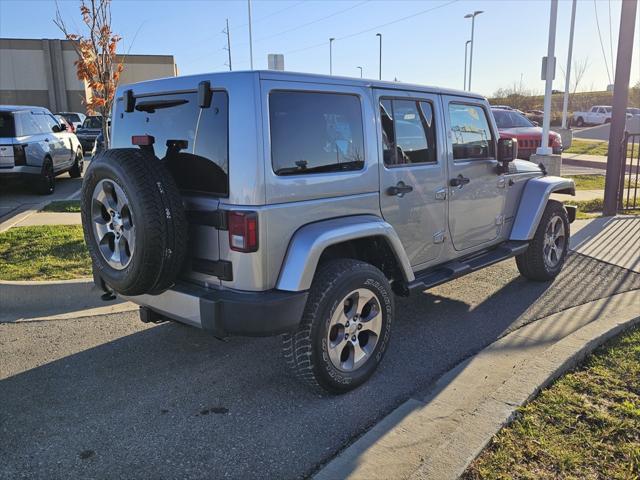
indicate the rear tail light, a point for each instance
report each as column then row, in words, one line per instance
column 143, row 140
column 243, row 231
column 19, row 156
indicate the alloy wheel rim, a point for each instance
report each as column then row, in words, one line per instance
column 113, row 224
column 554, row 242
column 354, row 330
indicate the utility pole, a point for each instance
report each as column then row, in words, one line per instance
column 544, row 148
column 472, row 16
column 565, row 101
column 360, row 71
column 250, row 36
column 331, row 55
column 615, row 165
column 228, row 49
column 379, row 35
column 466, row 45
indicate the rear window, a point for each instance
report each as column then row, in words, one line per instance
column 7, row 126
column 315, row 132
column 193, row 141
column 92, row 122
column 71, row 117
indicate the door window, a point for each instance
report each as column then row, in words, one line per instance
column 408, row 132
column 470, row 132
column 314, row 132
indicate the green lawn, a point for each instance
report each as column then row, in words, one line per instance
column 64, row 206
column 585, row 426
column 594, row 147
column 45, row 252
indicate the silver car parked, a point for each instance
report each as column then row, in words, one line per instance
column 262, row 203
column 35, row 146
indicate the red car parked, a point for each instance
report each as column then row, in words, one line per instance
column 513, row 125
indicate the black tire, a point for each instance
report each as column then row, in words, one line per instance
column 45, row 183
column 531, row 263
column 160, row 241
column 580, row 122
column 607, row 120
column 306, row 350
column 78, row 166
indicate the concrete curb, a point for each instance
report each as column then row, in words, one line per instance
column 435, row 435
column 31, row 300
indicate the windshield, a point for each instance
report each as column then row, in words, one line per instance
column 607, row 109
column 510, row 119
column 71, row 117
column 92, row 122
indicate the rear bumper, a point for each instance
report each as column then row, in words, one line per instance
column 226, row 312
column 87, row 142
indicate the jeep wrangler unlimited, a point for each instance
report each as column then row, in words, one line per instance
column 262, row 203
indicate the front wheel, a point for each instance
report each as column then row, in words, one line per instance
column 345, row 328
column 580, row 122
column 546, row 254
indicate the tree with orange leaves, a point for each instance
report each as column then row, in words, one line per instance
column 97, row 64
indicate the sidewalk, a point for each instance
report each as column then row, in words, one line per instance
column 50, row 218
column 439, row 431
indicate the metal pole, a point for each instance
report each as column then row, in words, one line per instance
column 331, row 55
column 360, row 71
column 565, row 102
column 473, row 21
column 544, row 149
column 229, row 44
column 466, row 45
column 618, row 114
column 250, row 36
column 379, row 35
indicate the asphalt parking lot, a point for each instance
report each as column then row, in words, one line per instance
column 110, row 397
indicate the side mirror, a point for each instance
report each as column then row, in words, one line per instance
column 57, row 128
column 507, row 151
column 535, row 124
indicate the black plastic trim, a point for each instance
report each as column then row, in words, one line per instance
column 212, row 218
column 222, row 269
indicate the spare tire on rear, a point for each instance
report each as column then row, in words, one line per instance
column 133, row 220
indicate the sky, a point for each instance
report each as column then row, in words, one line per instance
column 422, row 41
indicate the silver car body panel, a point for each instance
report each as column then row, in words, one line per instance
column 533, row 201
column 311, row 240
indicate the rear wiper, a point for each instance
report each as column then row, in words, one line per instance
column 335, row 167
column 152, row 105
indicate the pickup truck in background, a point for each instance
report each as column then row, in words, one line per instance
column 597, row 115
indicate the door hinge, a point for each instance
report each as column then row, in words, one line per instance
column 211, row 218
column 499, row 219
column 438, row 237
column 441, row 194
column 219, row 268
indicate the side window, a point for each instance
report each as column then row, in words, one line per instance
column 470, row 133
column 45, row 122
column 315, row 132
column 408, row 132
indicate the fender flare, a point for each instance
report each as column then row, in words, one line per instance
column 533, row 202
column 310, row 241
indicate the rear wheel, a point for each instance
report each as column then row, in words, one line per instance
column 546, row 254
column 78, row 166
column 345, row 328
column 45, row 183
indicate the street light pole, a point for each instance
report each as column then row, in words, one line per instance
column 379, row 35
column 360, row 71
column 466, row 45
column 565, row 101
column 250, row 36
column 472, row 16
column 331, row 55
column 544, row 148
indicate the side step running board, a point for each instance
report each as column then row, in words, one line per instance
column 457, row 268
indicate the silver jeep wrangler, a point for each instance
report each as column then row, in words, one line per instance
column 262, row 203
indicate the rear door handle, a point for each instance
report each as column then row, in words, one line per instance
column 400, row 189
column 459, row 181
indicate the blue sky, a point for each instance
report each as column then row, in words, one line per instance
column 426, row 48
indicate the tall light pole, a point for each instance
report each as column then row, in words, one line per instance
column 250, row 36
column 379, row 35
column 360, row 71
column 472, row 16
column 565, row 101
column 466, row 45
column 549, row 73
column 331, row 55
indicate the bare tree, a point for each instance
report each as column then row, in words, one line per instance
column 96, row 64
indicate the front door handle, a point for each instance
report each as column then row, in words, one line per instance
column 400, row 189
column 459, row 181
